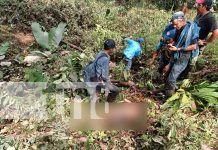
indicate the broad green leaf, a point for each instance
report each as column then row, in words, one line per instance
column 185, row 84
column 214, row 85
column 56, row 34
column 4, row 48
column 40, row 36
column 173, row 97
column 185, row 101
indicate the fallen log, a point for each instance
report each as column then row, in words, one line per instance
column 203, row 72
column 123, row 84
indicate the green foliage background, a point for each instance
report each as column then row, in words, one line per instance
column 89, row 23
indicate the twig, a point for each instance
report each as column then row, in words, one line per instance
column 73, row 46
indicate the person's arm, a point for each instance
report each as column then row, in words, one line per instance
column 102, row 69
column 213, row 27
column 189, row 48
column 169, row 65
column 156, row 52
column 154, row 56
column 213, row 36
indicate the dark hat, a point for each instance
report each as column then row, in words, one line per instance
column 169, row 33
column 109, row 43
column 205, row 2
column 178, row 15
column 140, row 40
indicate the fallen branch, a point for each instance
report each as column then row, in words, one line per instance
column 203, row 72
column 73, row 46
column 124, row 84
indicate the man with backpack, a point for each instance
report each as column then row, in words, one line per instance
column 98, row 71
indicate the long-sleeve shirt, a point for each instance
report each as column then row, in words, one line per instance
column 133, row 49
column 98, row 70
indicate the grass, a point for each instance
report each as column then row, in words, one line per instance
column 168, row 130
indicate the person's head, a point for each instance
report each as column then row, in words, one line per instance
column 141, row 40
column 178, row 20
column 203, row 5
column 109, row 46
column 168, row 35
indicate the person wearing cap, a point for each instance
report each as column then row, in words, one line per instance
column 133, row 50
column 162, row 50
column 98, row 71
column 185, row 45
column 207, row 23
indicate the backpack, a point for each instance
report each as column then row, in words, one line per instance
column 94, row 62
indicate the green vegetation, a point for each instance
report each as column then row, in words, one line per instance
column 186, row 121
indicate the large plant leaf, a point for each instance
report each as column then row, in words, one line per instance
column 185, row 84
column 214, row 85
column 40, row 36
column 210, row 97
column 185, row 101
column 171, row 101
column 4, row 48
column 56, row 34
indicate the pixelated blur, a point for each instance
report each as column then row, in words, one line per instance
column 108, row 116
column 29, row 101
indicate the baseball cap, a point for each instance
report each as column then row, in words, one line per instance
column 206, row 2
column 178, row 15
column 109, row 43
column 140, row 40
column 169, row 33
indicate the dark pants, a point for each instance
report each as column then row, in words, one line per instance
column 112, row 89
column 162, row 63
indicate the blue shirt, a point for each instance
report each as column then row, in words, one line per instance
column 133, row 49
column 168, row 34
column 98, row 70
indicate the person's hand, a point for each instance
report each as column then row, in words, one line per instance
column 172, row 48
column 202, row 42
column 166, row 68
column 151, row 62
column 112, row 65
